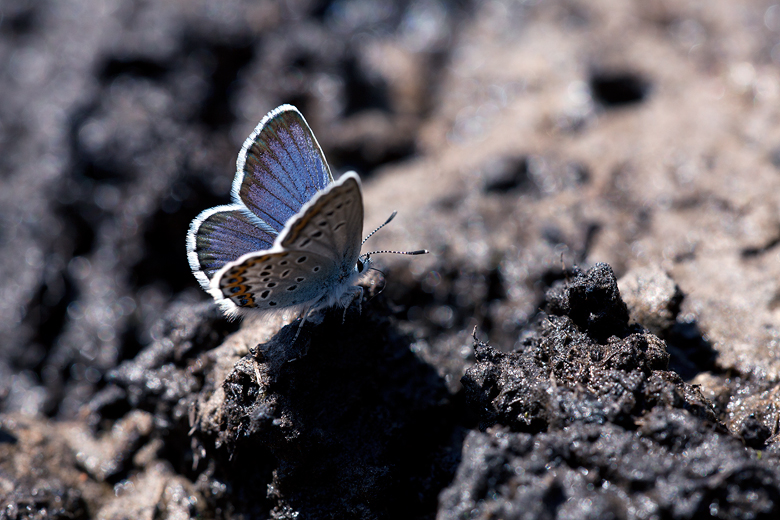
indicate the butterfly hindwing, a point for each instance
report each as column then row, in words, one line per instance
column 220, row 235
column 275, row 280
column 280, row 168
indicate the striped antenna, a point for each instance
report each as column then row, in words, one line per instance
column 366, row 255
column 380, row 227
column 418, row 252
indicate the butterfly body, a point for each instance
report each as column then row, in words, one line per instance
column 291, row 238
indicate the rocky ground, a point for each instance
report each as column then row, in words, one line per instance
column 595, row 334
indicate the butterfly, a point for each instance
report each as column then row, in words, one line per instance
column 291, row 238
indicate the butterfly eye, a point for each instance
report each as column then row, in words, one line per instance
column 360, row 266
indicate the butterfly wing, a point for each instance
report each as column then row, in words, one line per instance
column 331, row 224
column 220, row 235
column 280, row 168
column 313, row 259
column 270, row 281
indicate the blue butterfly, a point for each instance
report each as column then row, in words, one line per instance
column 292, row 236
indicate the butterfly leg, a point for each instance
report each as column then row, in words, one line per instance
column 353, row 293
column 304, row 315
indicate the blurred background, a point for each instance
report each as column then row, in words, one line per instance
column 513, row 137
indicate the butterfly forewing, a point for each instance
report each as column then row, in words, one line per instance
column 280, row 167
column 268, row 281
column 220, row 235
column 331, row 225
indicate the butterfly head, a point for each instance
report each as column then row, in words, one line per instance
column 363, row 263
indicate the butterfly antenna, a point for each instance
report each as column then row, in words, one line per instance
column 380, row 227
column 366, row 255
column 418, row 252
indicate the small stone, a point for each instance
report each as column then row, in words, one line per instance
column 652, row 297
